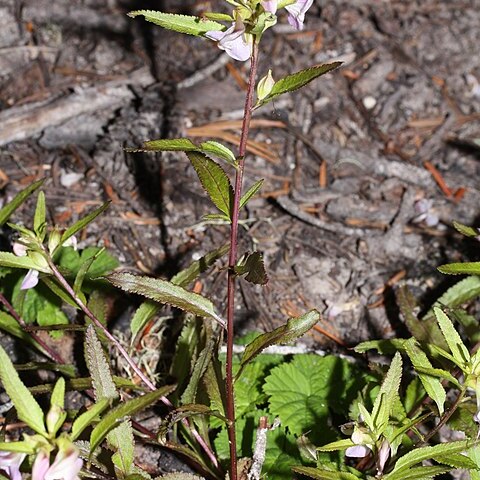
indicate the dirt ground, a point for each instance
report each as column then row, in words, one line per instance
column 364, row 169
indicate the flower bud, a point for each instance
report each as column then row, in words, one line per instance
column 55, row 418
column 265, row 85
column 54, row 240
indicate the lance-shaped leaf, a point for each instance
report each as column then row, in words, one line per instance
column 251, row 265
column 455, row 343
column 165, row 292
column 82, row 223
column 214, row 180
column 297, row 80
column 166, row 145
column 115, row 416
column 18, row 447
column 418, row 473
column 319, row 474
column 11, row 206
column 470, row 268
column 179, row 23
column 251, row 192
column 294, row 328
column 88, row 417
column 456, row 460
column 143, row 314
column 337, row 445
column 466, row 230
column 432, row 385
column 211, row 147
column 8, row 259
column 39, row 218
column 28, row 410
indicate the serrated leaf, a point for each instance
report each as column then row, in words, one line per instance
column 337, row 445
column 294, row 328
column 216, row 217
column 384, row 403
column 214, row 180
column 432, row 385
column 86, row 418
column 81, row 224
column 122, row 440
column 196, row 268
column 252, row 266
column 319, row 474
column 39, row 218
column 19, row 447
column 167, row 145
column 418, row 473
column 165, row 292
column 211, row 147
column 179, row 476
column 11, row 206
column 382, row 346
column 251, row 192
column 470, row 268
column 426, row 453
column 143, row 314
column 455, row 343
column 98, row 367
column 466, row 230
column 456, row 460
column 130, row 407
column 8, row 259
column 298, row 80
column 28, row 410
column 179, row 23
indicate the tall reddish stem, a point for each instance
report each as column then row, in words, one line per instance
column 232, row 259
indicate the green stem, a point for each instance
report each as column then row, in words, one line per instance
column 232, row 260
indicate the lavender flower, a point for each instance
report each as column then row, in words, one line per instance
column 10, row 464
column 296, row 13
column 66, row 465
column 31, row 278
column 270, row 6
column 357, row 451
column 233, row 41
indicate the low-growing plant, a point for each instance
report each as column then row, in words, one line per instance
column 253, row 415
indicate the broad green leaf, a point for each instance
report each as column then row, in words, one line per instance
column 297, row 80
column 179, row 23
column 115, row 416
column 20, row 447
column 143, row 314
column 251, row 265
column 165, row 292
column 193, row 271
column 88, row 417
column 417, row 473
column 251, row 192
column 81, row 224
column 294, row 328
column 319, row 474
column 455, row 343
column 426, row 453
column 474, row 454
column 8, row 259
column 456, row 460
column 98, row 367
column 388, row 393
column 470, row 268
column 466, row 230
column 214, row 180
column 71, row 261
column 39, row 218
column 211, row 147
column 432, row 385
column 28, row 410
column 11, row 206
column 167, row 145
column 337, row 445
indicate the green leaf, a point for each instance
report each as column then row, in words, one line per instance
column 190, row 274
column 297, row 80
column 87, row 418
column 11, row 326
column 20, row 447
column 214, row 180
column 456, row 460
column 337, row 445
column 251, row 265
column 319, row 474
column 143, row 314
column 39, row 218
column 212, row 147
column 115, row 416
column 439, row 373
column 217, row 218
column 122, row 441
column 455, row 343
column 77, row 285
column 382, row 346
column 432, row 385
column 470, row 268
column 418, row 473
column 466, row 230
column 388, row 393
column 463, row 291
column 426, row 453
column 28, row 410
column 167, row 145
column 82, row 223
column 179, row 476
column 293, row 329
column 165, row 292
column 251, row 192
column 179, row 23
column 58, row 394
column 8, row 259
column 11, row 206
column 98, row 367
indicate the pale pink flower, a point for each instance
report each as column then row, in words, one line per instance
column 10, row 464
column 270, row 6
column 232, row 41
column 383, row 456
column 357, row 451
column 19, row 249
column 66, row 466
column 296, row 13
column 30, row 280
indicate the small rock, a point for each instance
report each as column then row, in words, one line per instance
column 369, row 102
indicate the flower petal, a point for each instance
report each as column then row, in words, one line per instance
column 296, row 13
column 358, row 451
column 19, row 249
column 269, row 6
column 40, row 465
column 30, row 280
